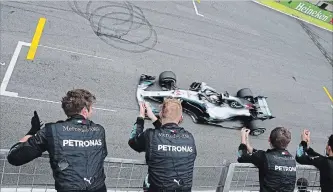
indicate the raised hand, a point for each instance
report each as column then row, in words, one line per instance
column 36, row 124
column 305, row 136
column 149, row 111
column 245, row 135
column 142, row 109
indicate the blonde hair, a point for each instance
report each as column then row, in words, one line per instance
column 171, row 110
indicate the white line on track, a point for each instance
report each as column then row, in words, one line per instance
column 196, row 9
column 48, row 101
column 58, row 49
column 13, row 61
column 12, row 64
column 10, row 69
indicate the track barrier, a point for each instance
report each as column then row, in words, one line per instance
column 128, row 175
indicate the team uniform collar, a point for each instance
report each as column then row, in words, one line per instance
column 80, row 119
column 283, row 151
column 76, row 117
column 170, row 125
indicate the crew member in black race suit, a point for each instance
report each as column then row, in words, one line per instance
column 277, row 167
column 307, row 156
column 170, row 149
column 76, row 146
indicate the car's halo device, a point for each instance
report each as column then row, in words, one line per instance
column 207, row 106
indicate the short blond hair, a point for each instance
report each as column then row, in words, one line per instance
column 171, row 109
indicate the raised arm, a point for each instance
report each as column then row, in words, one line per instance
column 28, row 148
column 305, row 154
column 137, row 139
column 256, row 157
column 247, row 154
column 31, row 146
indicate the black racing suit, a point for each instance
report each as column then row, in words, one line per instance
column 77, row 149
column 277, row 168
column 307, row 156
column 170, row 155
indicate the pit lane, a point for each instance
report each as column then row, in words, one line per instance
column 235, row 45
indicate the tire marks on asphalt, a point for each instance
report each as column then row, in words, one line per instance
column 314, row 37
column 121, row 25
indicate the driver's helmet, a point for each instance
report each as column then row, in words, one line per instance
column 209, row 92
column 214, row 98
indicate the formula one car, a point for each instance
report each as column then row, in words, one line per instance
column 207, row 106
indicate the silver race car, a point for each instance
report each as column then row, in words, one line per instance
column 207, row 106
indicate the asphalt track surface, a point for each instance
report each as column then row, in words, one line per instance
column 235, row 45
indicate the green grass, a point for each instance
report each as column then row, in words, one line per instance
column 295, row 13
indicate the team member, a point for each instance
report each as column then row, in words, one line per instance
column 76, row 146
column 306, row 155
column 277, row 167
column 170, row 149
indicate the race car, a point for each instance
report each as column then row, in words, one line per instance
column 207, row 106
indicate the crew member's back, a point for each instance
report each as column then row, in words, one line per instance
column 77, row 146
column 73, row 138
column 170, row 149
column 277, row 167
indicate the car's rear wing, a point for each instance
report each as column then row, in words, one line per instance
column 263, row 109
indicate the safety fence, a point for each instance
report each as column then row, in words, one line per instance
column 128, row 175
column 245, row 177
column 121, row 175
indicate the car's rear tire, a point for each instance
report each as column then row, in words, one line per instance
column 246, row 93
column 167, row 79
column 255, row 128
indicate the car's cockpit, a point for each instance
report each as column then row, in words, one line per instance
column 208, row 93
